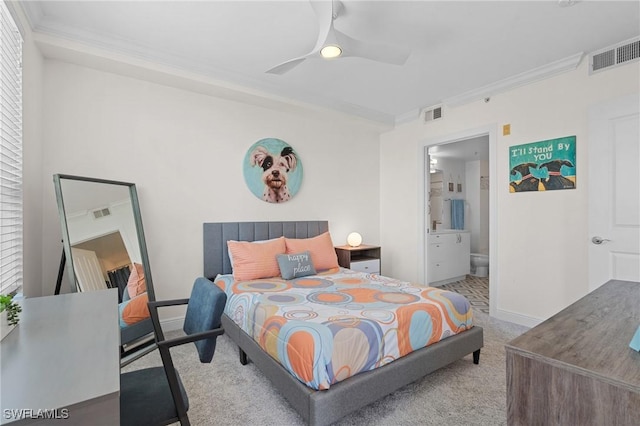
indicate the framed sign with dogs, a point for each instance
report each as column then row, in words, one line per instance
column 543, row 166
column 272, row 170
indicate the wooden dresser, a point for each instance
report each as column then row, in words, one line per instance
column 577, row 368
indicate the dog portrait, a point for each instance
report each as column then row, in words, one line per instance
column 272, row 170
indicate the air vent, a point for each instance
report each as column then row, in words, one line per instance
column 613, row 56
column 97, row 214
column 433, row 113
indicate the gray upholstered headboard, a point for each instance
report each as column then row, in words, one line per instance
column 216, row 235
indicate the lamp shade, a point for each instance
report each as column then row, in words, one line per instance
column 354, row 239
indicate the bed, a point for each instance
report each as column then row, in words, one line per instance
column 132, row 309
column 322, row 407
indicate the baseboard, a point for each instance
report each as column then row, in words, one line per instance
column 172, row 324
column 516, row 318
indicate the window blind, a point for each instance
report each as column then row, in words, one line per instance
column 10, row 153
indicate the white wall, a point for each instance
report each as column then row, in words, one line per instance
column 184, row 151
column 32, row 93
column 541, row 237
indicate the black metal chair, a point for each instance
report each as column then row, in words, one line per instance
column 156, row 396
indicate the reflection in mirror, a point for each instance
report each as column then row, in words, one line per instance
column 435, row 198
column 113, row 258
column 105, row 248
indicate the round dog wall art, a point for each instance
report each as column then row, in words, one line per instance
column 272, row 170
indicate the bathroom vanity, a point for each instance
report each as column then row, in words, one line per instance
column 448, row 256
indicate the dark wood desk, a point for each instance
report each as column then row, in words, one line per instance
column 577, row 368
column 64, row 354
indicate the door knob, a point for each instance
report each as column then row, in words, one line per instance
column 598, row 240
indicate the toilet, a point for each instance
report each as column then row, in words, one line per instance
column 479, row 265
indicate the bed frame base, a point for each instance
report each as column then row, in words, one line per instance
column 319, row 408
column 244, row 359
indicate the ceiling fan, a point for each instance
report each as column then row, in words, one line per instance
column 332, row 43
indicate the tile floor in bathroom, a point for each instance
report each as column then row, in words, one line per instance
column 476, row 289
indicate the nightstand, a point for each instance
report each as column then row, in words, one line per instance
column 363, row 258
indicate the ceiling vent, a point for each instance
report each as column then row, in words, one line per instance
column 622, row 53
column 432, row 113
column 97, row 214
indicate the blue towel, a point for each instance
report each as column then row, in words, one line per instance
column 457, row 214
column 635, row 342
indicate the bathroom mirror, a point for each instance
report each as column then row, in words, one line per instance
column 436, row 186
column 104, row 247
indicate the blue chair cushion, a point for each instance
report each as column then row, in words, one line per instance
column 204, row 310
column 145, row 397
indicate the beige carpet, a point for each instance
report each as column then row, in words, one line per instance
column 227, row 393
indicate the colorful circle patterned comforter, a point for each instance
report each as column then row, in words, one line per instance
column 328, row 327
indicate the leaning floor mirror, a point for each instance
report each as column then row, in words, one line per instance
column 104, row 247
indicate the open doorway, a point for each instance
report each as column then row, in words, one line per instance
column 102, row 262
column 458, row 215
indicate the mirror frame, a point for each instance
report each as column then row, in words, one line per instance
column 144, row 327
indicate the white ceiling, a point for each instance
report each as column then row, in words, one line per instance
column 456, row 47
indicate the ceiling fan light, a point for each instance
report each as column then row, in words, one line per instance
column 330, row 51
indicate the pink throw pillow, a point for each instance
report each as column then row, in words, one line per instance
column 136, row 309
column 323, row 254
column 256, row 260
column 136, row 284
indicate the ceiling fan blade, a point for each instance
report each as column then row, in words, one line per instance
column 377, row 52
column 324, row 13
column 286, row 66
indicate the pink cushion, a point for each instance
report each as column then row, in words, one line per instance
column 136, row 309
column 136, row 284
column 256, row 260
column 323, row 254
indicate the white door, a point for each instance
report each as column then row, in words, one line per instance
column 87, row 269
column 614, row 191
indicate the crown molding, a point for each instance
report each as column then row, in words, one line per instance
column 62, row 42
column 407, row 117
column 546, row 71
column 19, row 15
column 199, row 81
column 33, row 12
column 49, row 30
